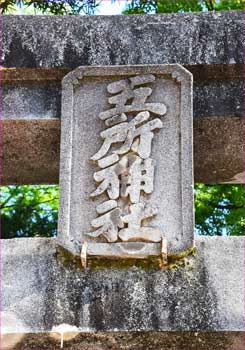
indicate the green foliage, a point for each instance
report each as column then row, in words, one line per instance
column 166, row 6
column 172, row 6
column 29, row 211
column 219, row 209
column 54, row 7
column 230, row 5
column 74, row 7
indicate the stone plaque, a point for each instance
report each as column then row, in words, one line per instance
column 126, row 181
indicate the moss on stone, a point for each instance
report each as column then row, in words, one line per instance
column 180, row 259
column 150, row 263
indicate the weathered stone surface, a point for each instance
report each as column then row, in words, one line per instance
column 211, row 48
column 212, row 97
column 32, row 148
column 31, row 151
column 43, row 289
column 153, row 180
column 132, row 250
column 31, row 100
column 218, row 150
column 200, row 38
column 139, row 341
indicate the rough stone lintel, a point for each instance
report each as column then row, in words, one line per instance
column 43, row 288
column 36, row 93
column 187, row 39
column 31, row 150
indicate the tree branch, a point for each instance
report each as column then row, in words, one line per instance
column 33, row 205
column 209, row 4
column 3, row 205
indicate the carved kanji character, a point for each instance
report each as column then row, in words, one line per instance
column 139, row 177
column 109, row 179
column 127, row 132
column 134, row 231
column 125, row 90
column 109, row 223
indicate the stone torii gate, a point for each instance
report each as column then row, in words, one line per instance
column 199, row 302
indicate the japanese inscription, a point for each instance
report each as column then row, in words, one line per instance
column 127, row 170
column 126, row 161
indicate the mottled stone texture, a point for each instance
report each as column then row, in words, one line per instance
column 210, row 45
column 43, row 288
column 139, row 341
column 33, row 146
column 31, row 151
column 201, row 38
column 84, row 105
column 212, row 97
column 218, row 150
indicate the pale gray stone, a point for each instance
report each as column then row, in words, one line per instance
column 106, row 206
column 118, row 118
column 135, row 231
column 216, row 62
column 107, row 161
column 140, row 177
column 109, row 180
column 167, row 186
column 133, row 250
column 127, row 132
column 211, row 38
column 108, row 224
column 125, row 91
column 43, row 290
column 206, row 295
column 143, row 234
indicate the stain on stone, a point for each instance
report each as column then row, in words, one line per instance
column 96, row 306
column 140, row 341
column 231, row 47
column 187, row 298
column 154, row 319
column 51, row 302
column 23, row 56
column 202, row 33
column 71, row 57
column 196, row 293
column 112, row 56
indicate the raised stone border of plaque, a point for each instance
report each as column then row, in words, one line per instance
column 133, row 187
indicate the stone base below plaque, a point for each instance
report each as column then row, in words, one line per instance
column 124, row 250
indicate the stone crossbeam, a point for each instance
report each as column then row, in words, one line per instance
column 187, row 39
column 210, row 45
column 44, row 288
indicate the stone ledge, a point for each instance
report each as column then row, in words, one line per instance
column 138, row 341
column 44, row 289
